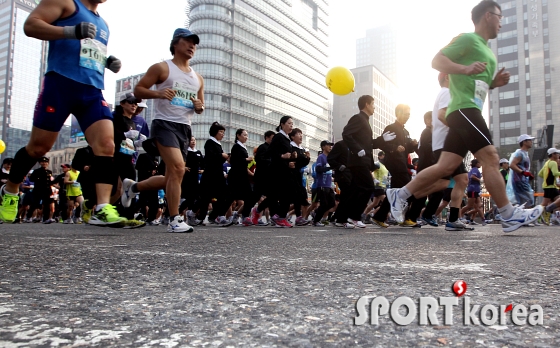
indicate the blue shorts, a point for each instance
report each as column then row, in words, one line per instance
column 61, row 97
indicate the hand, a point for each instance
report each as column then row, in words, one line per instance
column 362, row 153
column 294, row 154
column 475, row 68
column 292, row 165
column 132, row 134
column 286, row 155
column 501, row 79
column 167, row 93
column 342, row 167
column 414, row 142
column 86, row 168
column 114, row 64
column 188, row 169
column 225, row 155
column 197, row 104
column 400, row 148
column 528, row 174
column 307, row 154
column 249, row 159
column 388, row 136
column 80, row 31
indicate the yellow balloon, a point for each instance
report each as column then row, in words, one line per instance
column 340, row 80
column 2, row 146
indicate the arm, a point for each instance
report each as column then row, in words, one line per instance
column 38, row 24
column 441, row 115
column 554, row 168
column 514, row 165
column 67, row 180
column 460, row 46
column 199, row 101
column 348, row 135
column 156, row 74
column 391, row 146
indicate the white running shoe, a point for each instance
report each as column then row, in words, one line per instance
column 177, row 225
column 344, row 225
column 398, row 206
column 356, row 223
column 521, row 217
column 127, row 195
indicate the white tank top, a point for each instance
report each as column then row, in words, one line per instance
column 181, row 108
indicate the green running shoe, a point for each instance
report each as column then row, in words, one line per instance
column 106, row 216
column 9, row 206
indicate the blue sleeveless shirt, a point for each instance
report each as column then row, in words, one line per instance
column 80, row 60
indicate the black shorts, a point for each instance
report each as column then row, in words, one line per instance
column 467, row 132
column 461, row 169
column 72, row 198
column 473, row 194
column 551, row 193
column 379, row 192
column 325, row 195
column 314, row 195
column 172, row 134
column 447, row 194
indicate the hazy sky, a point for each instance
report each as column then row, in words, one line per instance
column 142, row 29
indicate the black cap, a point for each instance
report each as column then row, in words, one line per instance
column 43, row 159
column 129, row 97
column 326, row 142
column 7, row 160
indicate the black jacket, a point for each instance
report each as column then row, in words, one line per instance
column 425, row 154
column 301, row 161
column 213, row 176
column 338, row 160
column 42, row 179
column 121, row 125
column 279, row 167
column 395, row 161
column 358, row 136
column 238, row 177
column 261, row 177
column 145, row 165
column 195, row 162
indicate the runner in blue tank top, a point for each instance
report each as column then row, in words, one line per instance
column 77, row 60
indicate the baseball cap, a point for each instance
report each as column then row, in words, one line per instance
column 142, row 105
column 129, row 97
column 552, row 151
column 524, row 137
column 7, row 160
column 504, row 160
column 183, row 32
column 43, row 159
column 474, row 162
column 65, row 165
column 326, row 142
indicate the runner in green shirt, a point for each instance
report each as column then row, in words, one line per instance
column 549, row 172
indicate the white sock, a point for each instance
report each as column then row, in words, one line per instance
column 404, row 193
column 507, row 211
column 100, row 206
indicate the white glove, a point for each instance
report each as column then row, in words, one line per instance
column 388, row 136
column 141, row 139
column 375, row 181
column 132, row 134
column 362, row 153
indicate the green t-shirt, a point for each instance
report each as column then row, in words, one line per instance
column 469, row 91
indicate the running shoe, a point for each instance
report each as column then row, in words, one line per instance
column 275, row 220
column 431, row 221
column 178, row 225
column 223, row 222
column 457, row 226
column 106, row 216
column 127, row 195
column 357, row 223
column 130, row 224
column 85, row 212
column 247, row 222
column 521, row 217
column 344, row 225
column 474, row 223
column 379, row 223
column 318, row 224
column 398, row 206
column 409, row 223
column 9, row 206
column 283, row 223
column 153, row 223
column 300, row 221
column 262, row 223
column 367, row 220
column 546, row 217
column 49, row 221
column 255, row 216
column 68, row 221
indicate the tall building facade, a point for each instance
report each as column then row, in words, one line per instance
column 22, row 64
column 379, row 48
column 528, row 46
column 369, row 81
column 261, row 60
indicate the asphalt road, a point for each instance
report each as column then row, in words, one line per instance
column 64, row 285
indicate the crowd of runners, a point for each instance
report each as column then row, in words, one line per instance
column 109, row 183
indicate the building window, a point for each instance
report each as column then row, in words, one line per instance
column 528, row 91
column 507, row 49
column 528, row 107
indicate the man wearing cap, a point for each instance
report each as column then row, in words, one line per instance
column 62, row 200
column 178, row 96
column 6, row 166
column 73, row 84
column 550, row 173
column 140, row 121
column 519, row 190
column 43, row 180
column 504, row 169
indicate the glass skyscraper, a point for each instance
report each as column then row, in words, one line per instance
column 528, row 46
column 379, row 48
column 261, row 60
column 22, row 64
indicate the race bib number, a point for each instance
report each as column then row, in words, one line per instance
column 480, row 92
column 93, row 55
column 183, row 94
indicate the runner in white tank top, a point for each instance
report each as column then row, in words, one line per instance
column 179, row 95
